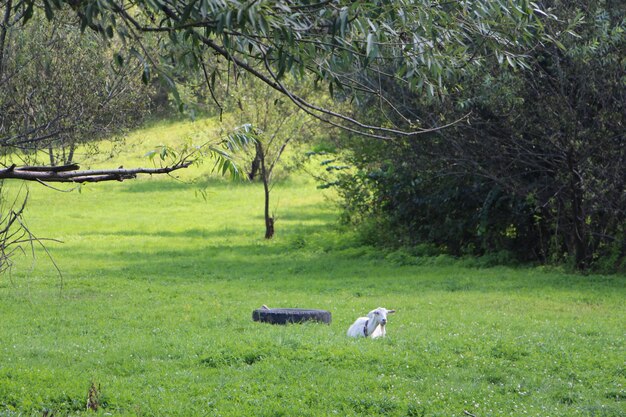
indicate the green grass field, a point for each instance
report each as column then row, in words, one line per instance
column 158, row 285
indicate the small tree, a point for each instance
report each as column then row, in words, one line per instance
column 274, row 124
column 61, row 89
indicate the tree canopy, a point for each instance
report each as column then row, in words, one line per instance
column 538, row 171
column 354, row 48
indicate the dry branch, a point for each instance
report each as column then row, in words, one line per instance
column 72, row 173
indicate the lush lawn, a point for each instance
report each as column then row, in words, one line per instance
column 158, row 286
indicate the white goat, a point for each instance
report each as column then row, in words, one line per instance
column 371, row 326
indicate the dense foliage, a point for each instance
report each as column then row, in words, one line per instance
column 336, row 42
column 539, row 168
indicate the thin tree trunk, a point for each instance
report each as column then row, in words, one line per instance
column 3, row 34
column 578, row 234
column 51, row 153
column 70, row 155
column 256, row 162
column 269, row 221
column 265, row 176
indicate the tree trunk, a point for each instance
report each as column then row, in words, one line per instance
column 3, row 34
column 70, row 156
column 256, row 162
column 51, row 154
column 269, row 221
column 265, row 176
column 269, row 227
column 578, row 233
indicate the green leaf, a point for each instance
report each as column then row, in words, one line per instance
column 431, row 89
column 510, row 61
column 240, row 16
column 282, row 63
column 229, row 19
column 204, row 8
column 343, row 21
column 371, row 48
column 187, row 11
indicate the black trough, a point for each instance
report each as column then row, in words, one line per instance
column 290, row 315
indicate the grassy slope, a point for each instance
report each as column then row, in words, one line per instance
column 158, row 288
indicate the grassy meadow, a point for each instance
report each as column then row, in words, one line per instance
column 153, row 308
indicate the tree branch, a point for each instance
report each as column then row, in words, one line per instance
column 72, row 173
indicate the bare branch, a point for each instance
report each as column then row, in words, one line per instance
column 72, row 173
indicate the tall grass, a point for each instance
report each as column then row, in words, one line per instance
column 158, row 285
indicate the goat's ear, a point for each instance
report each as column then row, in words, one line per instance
column 391, row 311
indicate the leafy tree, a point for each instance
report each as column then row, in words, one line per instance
column 265, row 117
column 355, row 48
column 59, row 89
column 62, row 90
column 537, row 169
column 556, row 138
column 424, row 44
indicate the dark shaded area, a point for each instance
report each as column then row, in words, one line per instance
column 535, row 173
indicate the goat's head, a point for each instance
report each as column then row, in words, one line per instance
column 380, row 315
